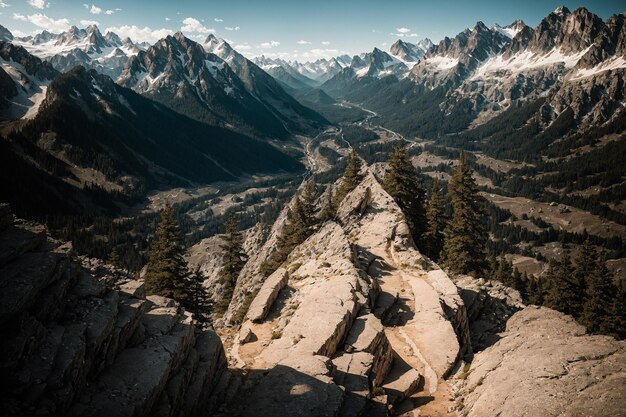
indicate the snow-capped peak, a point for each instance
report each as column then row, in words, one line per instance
column 561, row 10
column 510, row 30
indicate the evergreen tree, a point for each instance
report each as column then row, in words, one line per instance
column 167, row 271
column 435, row 223
column 114, row 257
column 199, row 302
column 600, row 294
column 351, row 177
column 308, row 204
column 465, row 234
column 233, row 260
column 504, row 272
column 329, row 211
column 616, row 322
column 561, row 291
column 535, row 290
column 403, row 184
column 586, row 265
column 518, row 282
column 298, row 227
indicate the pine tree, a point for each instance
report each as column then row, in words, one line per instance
column 615, row 324
column 504, row 272
column 199, row 302
column 561, row 290
column 351, row 177
column 586, row 264
column 517, row 282
column 233, row 260
column 167, row 270
column 114, row 257
column 329, row 211
column 298, row 227
column 403, row 184
column 308, row 204
column 535, row 290
column 600, row 293
column 435, row 223
column 465, row 234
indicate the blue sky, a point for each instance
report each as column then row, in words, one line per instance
column 285, row 28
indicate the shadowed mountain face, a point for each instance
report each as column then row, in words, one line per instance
column 87, row 122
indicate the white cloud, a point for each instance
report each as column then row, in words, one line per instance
column 17, row 16
column 242, row 47
column 167, row 19
column 48, row 23
column 269, row 45
column 232, row 28
column 218, row 20
column 303, row 42
column 38, row 4
column 404, row 33
column 3, row 5
column 93, row 9
column 138, row 34
column 325, row 43
column 89, row 22
column 194, row 26
column 21, row 34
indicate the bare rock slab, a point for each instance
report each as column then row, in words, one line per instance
column 545, row 365
column 268, row 293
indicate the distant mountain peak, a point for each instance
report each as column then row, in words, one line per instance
column 561, row 10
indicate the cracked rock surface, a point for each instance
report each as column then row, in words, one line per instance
column 545, row 365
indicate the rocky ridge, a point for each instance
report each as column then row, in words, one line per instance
column 73, row 345
column 333, row 322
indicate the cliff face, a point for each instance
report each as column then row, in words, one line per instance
column 72, row 345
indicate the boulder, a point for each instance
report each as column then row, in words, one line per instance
column 400, row 388
column 367, row 334
column 268, row 293
column 134, row 288
column 351, row 371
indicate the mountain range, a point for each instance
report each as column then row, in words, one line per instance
column 516, row 88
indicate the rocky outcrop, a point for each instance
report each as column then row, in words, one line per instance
column 544, row 364
column 489, row 305
column 250, row 278
column 383, row 241
column 299, row 320
column 268, row 293
column 355, row 309
column 72, row 345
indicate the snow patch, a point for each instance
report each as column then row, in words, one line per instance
column 36, row 99
column 610, row 64
column 442, row 62
column 526, row 60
